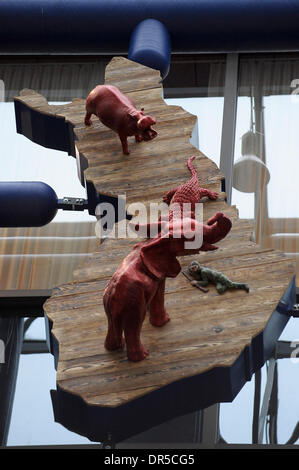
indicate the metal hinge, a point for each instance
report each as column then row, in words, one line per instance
column 73, row 204
column 295, row 311
column 284, row 308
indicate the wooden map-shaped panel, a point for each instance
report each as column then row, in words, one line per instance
column 151, row 168
column 213, row 343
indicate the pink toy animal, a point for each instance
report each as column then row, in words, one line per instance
column 189, row 192
column 139, row 282
column 118, row 112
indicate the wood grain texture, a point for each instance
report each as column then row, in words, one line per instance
column 206, row 330
column 42, row 257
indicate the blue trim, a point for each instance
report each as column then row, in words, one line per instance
column 150, row 45
column 105, row 26
column 26, row 204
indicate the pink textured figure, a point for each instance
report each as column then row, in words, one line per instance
column 118, row 112
column 138, row 284
column 189, row 192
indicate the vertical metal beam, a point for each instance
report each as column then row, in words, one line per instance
column 266, row 399
column 229, row 121
column 11, row 334
column 210, row 425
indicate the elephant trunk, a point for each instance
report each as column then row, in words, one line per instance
column 217, row 228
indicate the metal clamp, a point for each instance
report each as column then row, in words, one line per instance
column 295, row 311
column 72, row 204
column 285, row 309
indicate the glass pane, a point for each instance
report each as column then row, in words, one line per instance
column 194, row 83
column 32, row 421
column 266, row 149
column 207, row 110
column 197, row 84
column 266, row 164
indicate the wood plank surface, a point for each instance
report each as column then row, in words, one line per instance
column 33, row 258
column 206, row 330
column 152, row 167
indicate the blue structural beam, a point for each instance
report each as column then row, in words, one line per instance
column 105, row 26
column 26, row 204
column 150, row 45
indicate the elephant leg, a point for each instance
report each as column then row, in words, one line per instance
column 135, row 350
column 158, row 314
column 114, row 338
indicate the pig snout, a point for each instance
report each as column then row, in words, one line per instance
column 149, row 134
column 145, row 122
column 144, row 125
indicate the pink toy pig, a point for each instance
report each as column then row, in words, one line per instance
column 118, row 112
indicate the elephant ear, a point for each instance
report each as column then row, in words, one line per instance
column 158, row 260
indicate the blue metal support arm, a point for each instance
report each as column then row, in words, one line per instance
column 105, row 26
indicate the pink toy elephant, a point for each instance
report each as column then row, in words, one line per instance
column 139, row 282
column 118, row 112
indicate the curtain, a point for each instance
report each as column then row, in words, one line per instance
column 57, row 81
column 42, row 258
column 266, row 162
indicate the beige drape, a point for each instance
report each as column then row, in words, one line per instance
column 271, row 82
column 41, row 258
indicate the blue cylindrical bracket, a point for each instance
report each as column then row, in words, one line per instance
column 150, row 45
column 27, row 204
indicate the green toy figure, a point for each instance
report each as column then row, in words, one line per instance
column 203, row 276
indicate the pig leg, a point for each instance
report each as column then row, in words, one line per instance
column 124, row 143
